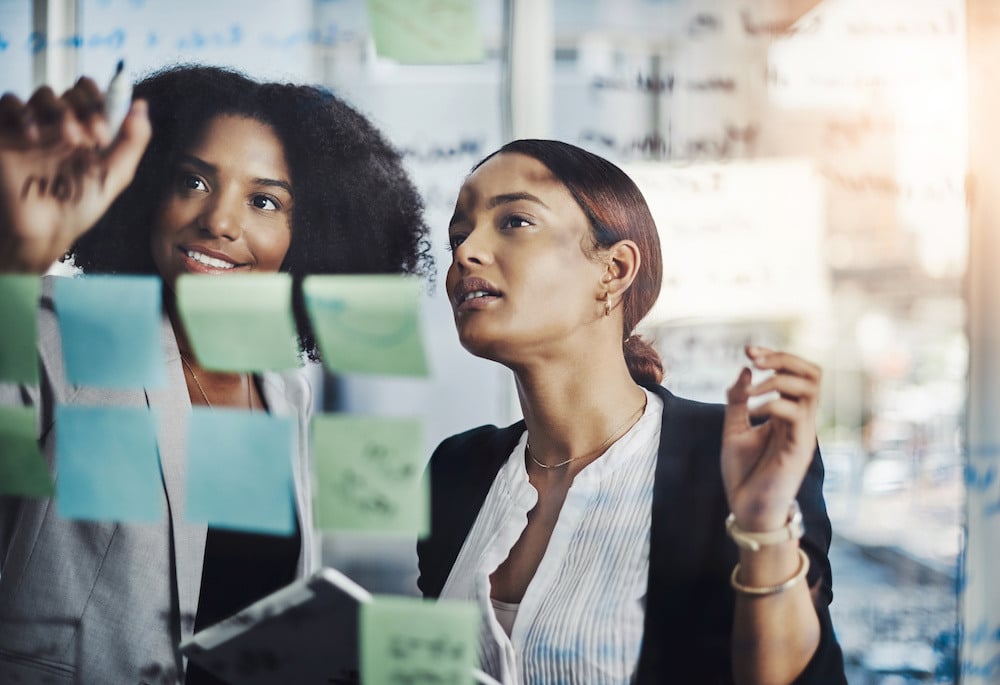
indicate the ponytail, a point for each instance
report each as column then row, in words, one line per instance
column 644, row 363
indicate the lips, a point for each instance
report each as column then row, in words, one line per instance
column 474, row 293
column 204, row 260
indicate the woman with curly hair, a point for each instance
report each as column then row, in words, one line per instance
column 211, row 172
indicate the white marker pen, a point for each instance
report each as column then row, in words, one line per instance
column 118, row 98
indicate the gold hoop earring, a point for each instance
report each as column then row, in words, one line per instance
column 607, row 304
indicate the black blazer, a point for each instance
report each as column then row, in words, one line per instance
column 689, row 605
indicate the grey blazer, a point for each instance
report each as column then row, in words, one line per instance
column 85, row 602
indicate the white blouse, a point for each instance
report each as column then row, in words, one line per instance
column 581, row 617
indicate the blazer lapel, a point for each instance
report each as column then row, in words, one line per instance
column 276, row 391
column 677, row 491
column 461, row 473
column 687, row 512
column 172, row 409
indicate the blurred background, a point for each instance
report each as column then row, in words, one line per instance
column 806, row 162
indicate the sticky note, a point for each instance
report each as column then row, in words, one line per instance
column 18, row 321
column 107, row 468
column 239, row 322
column 369, row 474
column 239, row 471
column 23, row 470
column 367, row 324
column 111, row 331
column 411, row 640
column 426, row 31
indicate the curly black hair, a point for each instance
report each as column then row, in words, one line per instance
column 356, row 209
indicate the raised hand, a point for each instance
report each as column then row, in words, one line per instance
column 60, row 170
column 763, row 465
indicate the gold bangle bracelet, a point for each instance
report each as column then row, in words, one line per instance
column 771, row 589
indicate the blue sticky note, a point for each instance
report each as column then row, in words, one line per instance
column 111, row 331
column 107, row 468
column 239, row 472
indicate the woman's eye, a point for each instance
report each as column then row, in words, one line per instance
column 264, row 202
column 192, row 182
column 455, row 240
column 514, row 221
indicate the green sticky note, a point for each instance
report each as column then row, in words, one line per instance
column 369, row 474
column 18, row 321
column 426, row 31
column 23, row 470
column 367, row 324
column 411, row 640
column 239, row 322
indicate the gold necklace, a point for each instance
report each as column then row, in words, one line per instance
column 194, row 376
column 599, row 448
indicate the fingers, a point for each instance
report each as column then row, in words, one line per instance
column 783, row 362
column 127, row 148
column 86, row 101
column 74, row 119
column 795, row 385
column 46, row 112
column 739, row 391
column 737, row 415
column 791, row 387
column 85, row 98
column 782, row 409
column 13, row 116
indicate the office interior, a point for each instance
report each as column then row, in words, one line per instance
column 820, row 173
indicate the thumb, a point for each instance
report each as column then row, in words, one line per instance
column 737, row 416
column 125, row 152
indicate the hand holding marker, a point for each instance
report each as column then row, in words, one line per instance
column 63, row 165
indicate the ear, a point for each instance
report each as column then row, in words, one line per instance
column 623, row 261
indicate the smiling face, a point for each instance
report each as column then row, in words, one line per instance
column 523, row 277
column 229, row 205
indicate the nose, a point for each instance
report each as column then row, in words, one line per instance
column 223, row 216
column 474, row 250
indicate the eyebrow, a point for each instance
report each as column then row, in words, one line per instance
column 211, row 168
column 498, row 200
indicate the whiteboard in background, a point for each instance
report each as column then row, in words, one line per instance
column 741, row 240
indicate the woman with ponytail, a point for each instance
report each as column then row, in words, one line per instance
column 619, row 533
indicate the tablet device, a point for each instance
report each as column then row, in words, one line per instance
column 306, row 633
